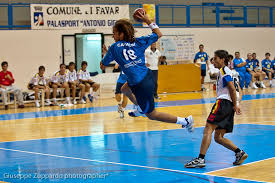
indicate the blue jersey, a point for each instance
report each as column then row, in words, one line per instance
column 250, row 64
column 256, row 63
column 130, row 57
column 273, row 64
column 237, row 62
column 122, row 78
column 266, row 64
column 204, row 57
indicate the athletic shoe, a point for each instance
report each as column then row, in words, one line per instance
column 240, row 157
column 136, row 113
column 157, row 97
column 82, row 101
column 37, row 104
column 55, row 103
column 74, row 102
column 91, row 98
column 262, row 85
column 84, row 98
column 195, row 163
column 47, row 103
column 254, row 86
column 190, row 124
column 121, row 113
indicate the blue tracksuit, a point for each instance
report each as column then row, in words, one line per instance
column 245, row 77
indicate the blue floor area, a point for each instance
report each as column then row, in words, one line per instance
column 130, row 157
column 66, row 112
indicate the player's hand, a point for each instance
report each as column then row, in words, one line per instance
column 9, row 77
column 144, row 17
column 102, row 67
column 237, row 110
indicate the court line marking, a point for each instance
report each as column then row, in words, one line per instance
column 239, row 165
column 116, row 163
column 202, row 101
column 103, row 134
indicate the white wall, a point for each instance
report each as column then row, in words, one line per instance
column 26, row 50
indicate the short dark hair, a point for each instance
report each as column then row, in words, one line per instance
column 222, row 54
column 201, row 45
column 4, row 63
column 61, row 65
column 84, row 63
column 253, row 53
column 41, row 68
column 267, row 54
column 230, row 57
column 71, row 63
column 237, row 52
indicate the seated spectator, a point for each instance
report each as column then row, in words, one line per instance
column 73, row 83
column 60, row 80
column 259, row 74
column 85, row 78
column 6, row 81
column 39, row 82
column 213, row 72
column 273, row 67
column 162, row 60
column 230, row 63
column 266, row 66
column 239, row 66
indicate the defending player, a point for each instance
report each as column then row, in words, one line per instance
column 128, row 52
column 221, row 118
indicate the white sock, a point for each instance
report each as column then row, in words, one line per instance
column 48, row 100
column 36, row 101
column 201, row 85
column 181, row 121
column 270, row 81
column 122, row 108
column 68, row 99
column 54, row 99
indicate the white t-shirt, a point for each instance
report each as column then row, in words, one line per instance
column 152, row 58
column 38, row 80
column 72, row 76
column 222, row 90
column 58, row 78
column 83, row 75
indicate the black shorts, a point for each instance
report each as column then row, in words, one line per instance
column 203, row 72
column 118, row 87
column 267, row 72
column 144, row 93
column 87, row 82
column 31, row 86
column 222, row 115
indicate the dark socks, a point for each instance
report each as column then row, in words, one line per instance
column 237, row 150
column 201, row 156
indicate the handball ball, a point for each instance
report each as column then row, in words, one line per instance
column 137, row 12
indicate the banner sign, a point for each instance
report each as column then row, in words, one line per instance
column 51, row 16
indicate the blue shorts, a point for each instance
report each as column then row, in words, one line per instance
column 118, row 87
column 144, row 93
column 267, row 72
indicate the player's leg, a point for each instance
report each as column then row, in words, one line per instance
column 67, row 92
column 247, row 79
column 262, row 76
column 47, row 92
column 87, row 90
column 270, row 78
column 82, row 93
column 253, row 79
column 73, row 87
column 205, row 143
column 54, row 87
column 242, row 79
column 36, row 98
column 240, row 154
column 126, row 90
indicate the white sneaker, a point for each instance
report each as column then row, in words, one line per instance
column 37, row 104
column 262, row 85
column 190, row 124
column 47, row 103
column 82, row 101
column 254, row 86
column 74, row 102
column 55, row 103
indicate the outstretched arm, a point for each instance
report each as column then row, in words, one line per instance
column 153, row 26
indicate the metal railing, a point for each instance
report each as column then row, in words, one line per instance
column 17, row 16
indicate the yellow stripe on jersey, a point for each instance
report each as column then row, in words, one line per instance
column 222, row 71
